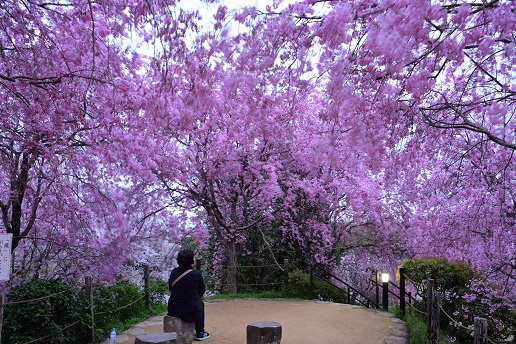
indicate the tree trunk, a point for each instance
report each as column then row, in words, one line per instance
column 231, row 253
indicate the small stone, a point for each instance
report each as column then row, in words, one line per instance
column 399, row 321
column 156, row 338
column 399, row 333
column 399, row 326
column 396, row 340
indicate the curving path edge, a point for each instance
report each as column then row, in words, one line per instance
column 303, row 321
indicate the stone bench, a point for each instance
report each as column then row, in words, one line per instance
column 185, row 331
column 264, row 332
column 156, row 338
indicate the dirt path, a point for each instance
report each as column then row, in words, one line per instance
column 302, row 321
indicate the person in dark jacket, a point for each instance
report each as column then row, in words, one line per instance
column 187, row 289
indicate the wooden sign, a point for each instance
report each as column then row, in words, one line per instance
column 6, row 242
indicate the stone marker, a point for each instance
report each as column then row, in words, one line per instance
column 185, row 331
column 156, row 338
column 264, row 332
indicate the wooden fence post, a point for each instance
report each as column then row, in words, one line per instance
column 2, row 302
column 480, row 334
column 377, row 278
column 402, row 291
column 429, row 298
column 89, row 296
column 285, row 272
column 311, row 267
column 434, row 334
column 146, row 278
column 433, row 310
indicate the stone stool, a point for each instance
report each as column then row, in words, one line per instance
column 156, row 338
column 185, row 331
column 264, row 332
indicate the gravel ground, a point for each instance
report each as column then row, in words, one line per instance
column 303, row 322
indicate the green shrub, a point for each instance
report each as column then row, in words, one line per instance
column 24, row 322
column 158, row 289
column 451, row 279
column 108, row 300
column 105, row 301
column 299, row 287
column 449, row 276
column 32, row 320
column 454, row 281
column 126, row 293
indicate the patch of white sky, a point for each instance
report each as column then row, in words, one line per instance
column 232, row 27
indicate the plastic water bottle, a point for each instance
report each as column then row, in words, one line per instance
column 112, row 336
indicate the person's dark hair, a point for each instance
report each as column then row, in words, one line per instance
column 185, row 258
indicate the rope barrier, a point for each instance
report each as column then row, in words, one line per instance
column 37, row 299
column 417, row 310
column 257, row 284
column 250, row 266
column 417, row 285
column 453, row 320
column 490, row 340
column 422, row 286
column 52, row 334
column 114, row 310
column 295, row 266
column 461, row 326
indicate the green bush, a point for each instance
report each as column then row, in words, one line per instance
column 108, row 300
column 453, row 281
column 126, row 293
column 299, row 287
column 105, row 301
column 158, row 290
column 28, row 321
column 449, row 276
column 25, row 322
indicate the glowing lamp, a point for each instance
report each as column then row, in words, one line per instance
column 385, row 277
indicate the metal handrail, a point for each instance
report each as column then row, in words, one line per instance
column 346, row 284
column 394, row 284
column 345, row 291
column 393, row 294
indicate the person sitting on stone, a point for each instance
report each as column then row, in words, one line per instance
column 187, row 289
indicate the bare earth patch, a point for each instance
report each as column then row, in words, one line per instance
column 303, row 322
